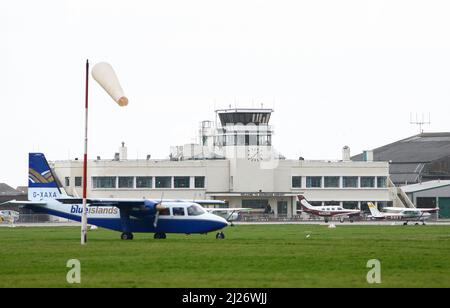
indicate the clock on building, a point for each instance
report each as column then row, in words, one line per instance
column 254, row 154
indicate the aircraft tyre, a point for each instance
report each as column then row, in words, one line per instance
column 159, row 236
column 220, row 236
column 127, row 236
column 405, row 223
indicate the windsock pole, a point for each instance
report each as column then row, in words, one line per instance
column 84, row 214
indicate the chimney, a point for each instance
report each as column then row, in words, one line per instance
column 123, row 152
column 346, row 153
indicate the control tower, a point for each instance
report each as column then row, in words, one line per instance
column 234, row 129
column 244, row 127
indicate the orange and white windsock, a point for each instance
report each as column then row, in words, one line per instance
column 104, row 74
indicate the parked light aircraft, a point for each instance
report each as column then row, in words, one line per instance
column 9, row 216
column 230, row 214
column 327, row 211
column 403, row 214
column 124, row 215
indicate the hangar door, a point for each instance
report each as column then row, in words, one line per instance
column 444, row 207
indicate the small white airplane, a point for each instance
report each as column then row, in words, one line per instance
column 229, row 214
column 327, row 211
column 9, row 216
column 123, row 215
column 403, row 214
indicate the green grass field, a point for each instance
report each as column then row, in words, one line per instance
column 250, row 256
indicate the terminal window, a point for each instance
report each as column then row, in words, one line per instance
column 351, row 205
column 313, row 181
column 381, row 181
column 199, row 182
column 331, row 181
column 67, row 181
column 296, row 182
column 78, row 181
column 144, row 182
column 104, row 182
column 181, row 181
column 163, row 182
column 350, row 182
column 367, row 181
column 126, row 182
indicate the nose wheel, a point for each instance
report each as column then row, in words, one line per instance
column 220, row 236
column 127, row 236
column 159, row 236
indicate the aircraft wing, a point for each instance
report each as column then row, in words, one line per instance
column 132, row 202
column 108, row 202
column 430, row 210
column 347, row 214
column 15, row 202
column 206, row 202
column 212, row 210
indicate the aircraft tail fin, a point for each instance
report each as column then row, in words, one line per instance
column 374, row 210
column 304, row 203
column 42, row 183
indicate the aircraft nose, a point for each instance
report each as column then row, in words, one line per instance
column 220, row 221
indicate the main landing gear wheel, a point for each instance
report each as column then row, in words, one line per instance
column 220, row 236
column 127, row 236
column 405, row 223
column 159, row 236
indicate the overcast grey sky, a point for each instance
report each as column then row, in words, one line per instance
column 337, row 73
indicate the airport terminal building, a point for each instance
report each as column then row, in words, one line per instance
column 235, row 161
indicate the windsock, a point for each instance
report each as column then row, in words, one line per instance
column 104, row 74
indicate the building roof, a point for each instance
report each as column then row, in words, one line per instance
column 244, row 116
column 420, row 148
column 424, row 186
column 22, row 189
column 5, row 189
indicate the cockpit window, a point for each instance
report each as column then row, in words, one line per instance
column 195, row 210
column 164, row 212
column 178, row 211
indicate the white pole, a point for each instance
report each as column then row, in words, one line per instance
column 84, row 214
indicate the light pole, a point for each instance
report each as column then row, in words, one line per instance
column 104, row 74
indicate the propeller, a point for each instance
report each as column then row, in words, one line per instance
column 159, row 207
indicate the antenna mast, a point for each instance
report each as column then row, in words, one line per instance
column 418, row 122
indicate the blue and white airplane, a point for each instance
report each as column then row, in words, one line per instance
column 123, row 215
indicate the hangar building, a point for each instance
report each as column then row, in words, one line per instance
column 416, row 159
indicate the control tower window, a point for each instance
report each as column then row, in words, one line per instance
column 230, row 140
column 241, row 138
